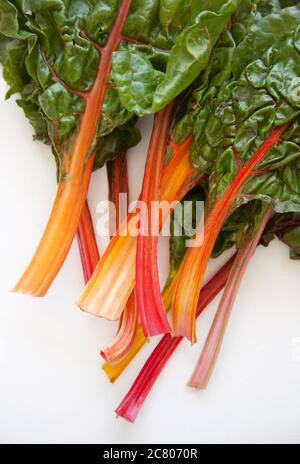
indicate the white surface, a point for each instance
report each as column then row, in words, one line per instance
column 52, row 388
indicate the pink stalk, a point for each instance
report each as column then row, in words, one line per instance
column 212, row 347
column 133, row 401
column 118, row 349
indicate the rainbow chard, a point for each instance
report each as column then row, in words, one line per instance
column 221, row 57
column 155, row 62
column 246, row 137
column 177, row 250
column 113, row 280
column 243, row 229
column 58, row 56
column 85, row 71
column 64, row 77
column 133, row 401
column 219, row 70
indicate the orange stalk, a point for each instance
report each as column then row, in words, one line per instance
column 74, row 179
column 194, row 264
column 113, row 280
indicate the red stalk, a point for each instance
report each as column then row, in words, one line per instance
column 117, row 183
column 195, row 261
column 87, row 244
column 118, row 349
column 133, row 401
column 212, row 347
column 114, row 371
column 149, row 301
column 112, row 282
column 75, row 175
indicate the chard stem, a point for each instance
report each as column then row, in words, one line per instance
column 149, row 302
column 121, row 345
column 74, row 180
column 135, row 398
column 212, row 347
column 113, row 371
column 87, row 244
column 114, row 278
column 117, row 174
column 194, row 264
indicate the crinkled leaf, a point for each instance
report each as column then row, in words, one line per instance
column 57, row 102
column 118, row 141
column 231, row 122
column 189, row 29
column 243, row 18
column 218, row 72
column 260, row 41
column 234, row 230
column 42, row 42
column 179, row 234
column 286, row 227
column 9, row 25
column 188, row 58
column 31, row 108
column 93, row 16
column 136, row 80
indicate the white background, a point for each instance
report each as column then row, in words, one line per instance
column 52, row 388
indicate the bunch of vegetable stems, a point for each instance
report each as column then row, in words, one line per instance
column 130, row 336
column 123, row 284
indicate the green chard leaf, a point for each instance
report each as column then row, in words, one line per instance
column 9, row 25
column 44, row 53
column 180, row 36
column 48, row 53
column 286, row 227
column 236, row 227
column 118, row 141
column 233, row 231
column 231, row 118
